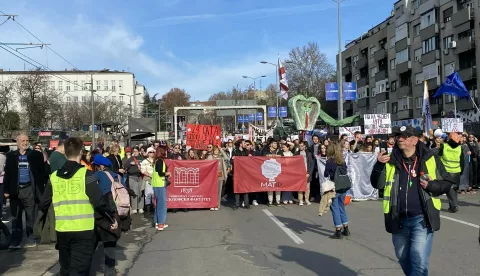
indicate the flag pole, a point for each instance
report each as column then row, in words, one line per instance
column 455, row 106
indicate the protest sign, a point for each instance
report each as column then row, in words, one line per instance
column 194, row 184
column 452, row 125
column 200, row 136
column 349, row 131
column 377, row 123
column 263, row 174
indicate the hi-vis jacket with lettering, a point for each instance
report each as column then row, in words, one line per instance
column 386, row 176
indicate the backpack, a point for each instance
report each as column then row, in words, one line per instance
column 342, row 180
column 120, row 196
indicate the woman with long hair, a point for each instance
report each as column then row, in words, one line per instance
column 336, row 161
column 287, row 196
column 86, row 160
column 191, row 155
column 323, row 151
column 147, row 169
column 159, row 177
column 219, row 154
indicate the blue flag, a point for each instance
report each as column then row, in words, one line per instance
column 454, row 86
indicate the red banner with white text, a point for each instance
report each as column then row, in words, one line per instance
column 194, row 184
column 264, row 174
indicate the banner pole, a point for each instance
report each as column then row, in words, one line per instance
column 455, row 105
column 474, row 104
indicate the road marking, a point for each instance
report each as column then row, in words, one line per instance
column 285, row 229
column 461, row 221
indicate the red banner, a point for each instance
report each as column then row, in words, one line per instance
column 54, row 144
column 44, row 133
column 200, row 136
column 264, row 174
column 194, row 184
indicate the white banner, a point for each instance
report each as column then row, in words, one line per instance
column 452, row 125
column 360, row 166
column 377, row 123
column 349, row 131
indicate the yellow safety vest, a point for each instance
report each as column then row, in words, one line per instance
column 73, row 210
column 122, row 152
column 390, row 174
column 158, row 181
column 451, row 158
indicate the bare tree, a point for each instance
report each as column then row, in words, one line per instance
column 175, row 97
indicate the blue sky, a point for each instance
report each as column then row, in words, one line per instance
column 203, row 46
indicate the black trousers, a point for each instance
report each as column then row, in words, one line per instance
column 24, row 202
column 110, row 251
column 75, row 251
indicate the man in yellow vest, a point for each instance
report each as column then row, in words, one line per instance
column 412, row 177
column 452, row 158
column 75, row 195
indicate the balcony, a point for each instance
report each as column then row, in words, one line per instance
column 403, row 67
column 404, row 91
column 405, row 114
column 381, row 97
column 464, row 45
column 362, row 82
column 402, row 44
column 347, row 105
column 430, row 57
column 381, row 75
column 462, row 16
column 433, row 83
column 429, row 31
column 364, row 102
column 347, row 70
column 362, row 63
column 468, row 73
column 464, row 104
column 380, row 54
column 435, row 109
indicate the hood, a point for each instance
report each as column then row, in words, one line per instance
column 69, row 169
column 452, row 143
column 421, row 150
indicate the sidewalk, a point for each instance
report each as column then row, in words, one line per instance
column 43, row 260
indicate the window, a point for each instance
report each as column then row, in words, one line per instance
column 75, row 83
column 69, row 99
column 60, row 85
column 373, row 50
column 416, row 30
column 448, row 99
column 98, row 84
column 68, row 86
column 113, row 85
column 382, row 107
column 402, row 56
column 428, row 19
column 374, row 110
column 418, row 54
column 75, row 99
column 121, row 99
column 357, row 77
column 466, row 34
column 84, row 99
column 430, row 44
column 393, row 85
column 404, row 103
column 394, row 107
column 449, row 68
column 392, row 42
column 362, row 92
column 401, row 32
column 447, row 15
column 419, row 102
column 83, row 85
column 105, row 85
column 430, row 71
column 374, row 91
column 114, row 98
column 392, row 64
column 52, row 85
column 446, row 41
column 373, row 71
column 419, row 78
column 120, row 83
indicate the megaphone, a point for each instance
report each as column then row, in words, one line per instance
column 438, row 133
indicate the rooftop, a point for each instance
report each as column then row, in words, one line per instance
column 72, row 71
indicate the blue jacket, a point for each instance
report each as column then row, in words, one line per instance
column 104, row 181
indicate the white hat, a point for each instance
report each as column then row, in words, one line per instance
column 151, row 149
column 438, row 133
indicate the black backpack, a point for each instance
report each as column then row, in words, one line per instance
column 342, row 181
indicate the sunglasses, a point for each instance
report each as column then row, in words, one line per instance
column 209, row 147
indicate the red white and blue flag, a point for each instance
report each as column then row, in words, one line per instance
column 283, row 80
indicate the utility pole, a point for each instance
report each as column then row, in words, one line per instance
column 339, row 70
column 92, row 94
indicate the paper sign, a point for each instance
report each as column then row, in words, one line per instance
column 349, row 131
column 200, row 136
column 377, row 123
column 452, row 125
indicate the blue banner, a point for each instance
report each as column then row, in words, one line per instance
column 251, row 117
column 245, row 118
column 331, row 91
column 454, row 86
column 272, row 112
column 283, row 111
column 259, row 116
column 240, row 118
column 349, row 91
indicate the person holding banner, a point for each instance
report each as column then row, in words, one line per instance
column 413, row 177
column 219, row 155
column 273, row 151
column 159, row 176
column 308, row 159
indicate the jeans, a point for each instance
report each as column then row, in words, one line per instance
column 136, row 186
column 413, row 244
column 245, row 200
column 24, row 202
column 75, row 252
column 339, row 214
column 161, row 207
column 287, row 196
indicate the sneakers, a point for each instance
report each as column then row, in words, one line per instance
column 255, row 203
column 31, row 242
column 300, row 203
column 4, row 220
column 453, row 209
column 243, row 204
column 278, row 204
column 269, row 204
column 15, row 246
column 308, row 202
column 134, row 212
column 224, row 199
column 337, row 235
column 346, row 232
column 285, row 202
column 161, row 227
column 212, row 209
column 290, row 202
column 140, row 211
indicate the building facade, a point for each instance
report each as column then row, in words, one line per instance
column 74, row 86
column 422, row 40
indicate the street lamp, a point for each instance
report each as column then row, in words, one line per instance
column 339, row 71
column 276, row 80
column 130, row 96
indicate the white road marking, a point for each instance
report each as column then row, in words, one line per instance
column 461, row 221
column 285, row 229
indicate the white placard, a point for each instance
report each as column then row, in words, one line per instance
column 294, row 137
column 452, row 125
column 349, row 131
column 377, row 123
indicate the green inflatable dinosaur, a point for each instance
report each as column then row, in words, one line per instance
column 306, row 112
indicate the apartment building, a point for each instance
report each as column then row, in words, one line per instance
column 421, row 40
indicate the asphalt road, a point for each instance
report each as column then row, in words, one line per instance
column 293, row 240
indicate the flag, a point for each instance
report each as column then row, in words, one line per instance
column 426, row 114
column 283, row 81
column 454, row 86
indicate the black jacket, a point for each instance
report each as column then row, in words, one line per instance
column 117, row 163
column 435, row 188
column 310, row 163
column 37, row 173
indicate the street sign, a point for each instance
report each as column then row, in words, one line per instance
column 245, row 118
column 272, row 112
column 283, row 111
column 240, row 118
column 349, row 91
column 331, row 91
column 259, row 116
column 251, row 117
